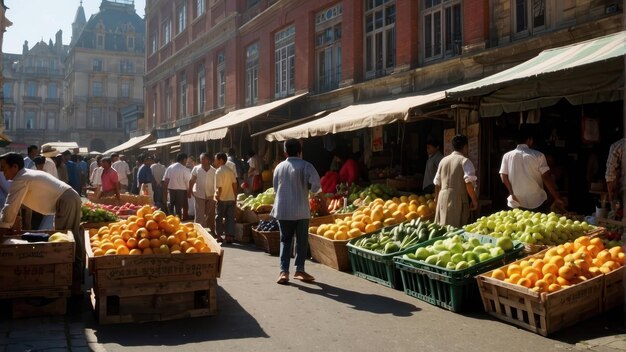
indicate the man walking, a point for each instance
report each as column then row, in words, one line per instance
column 158, row 170
column 202, row 188
column 291, row 207
column 525, row 172
column 145, row 180
column 123, row 171
column 225, row 195
column 176, row 181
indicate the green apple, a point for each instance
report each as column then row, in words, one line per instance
column 450, row 266
column 505, row 243
column 432, row 260
column 441, row 263
column 496, row 251
column 422, row 253
column 457, row 258
column 469, row 256
column 461, row 265
column 480, row 249
column 445, row 256
column 484, row 256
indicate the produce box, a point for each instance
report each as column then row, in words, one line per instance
column 268, row 240
column 613, row 291
column 330, row 252
column 406, row 184
column 155, row 287
column 455, row 290
column 243, row 232
column 542, row 313
column 376, row 266
column 36, row 276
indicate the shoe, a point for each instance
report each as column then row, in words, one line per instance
column 283, row 278
column 301, row 275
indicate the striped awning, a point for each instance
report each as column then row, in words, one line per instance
column 586, row 72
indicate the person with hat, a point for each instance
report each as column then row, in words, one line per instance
column 49, row 166
column 47, row 195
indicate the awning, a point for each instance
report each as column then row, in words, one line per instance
column 218, row 128
column 586, row 72
column 359, row 116
column 61, row 146
column 131, row 143
column 162, row 142
column 293, row 123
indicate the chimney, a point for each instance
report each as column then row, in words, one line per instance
column 25, row 48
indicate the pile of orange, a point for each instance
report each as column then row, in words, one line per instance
column 564, row 265
column 376, row 215
column 148, row 232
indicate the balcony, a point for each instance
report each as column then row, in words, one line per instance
column 52, row 101
column 31, row 99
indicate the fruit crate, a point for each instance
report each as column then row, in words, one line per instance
column 542, row 313
column 613, row 290
column 329, row 252
column 268, row 240
column 375, row 266
column 94, row 225
column 455, row 290
column 155, row 287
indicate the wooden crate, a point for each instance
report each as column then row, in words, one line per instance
column 329, row 252
column 542, row 313
column 94, row 225
column 28, row 307
column 156, row 302
column 613, row 292
column 155, row 287
column 243, row 232
column 269, row 240
column 325, row 219
column 34, row 269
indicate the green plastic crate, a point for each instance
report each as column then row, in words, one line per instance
column 374, row 266
column 455, row 290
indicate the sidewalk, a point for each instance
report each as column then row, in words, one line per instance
column 339, row 312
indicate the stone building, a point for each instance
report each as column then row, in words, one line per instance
column 4, row 23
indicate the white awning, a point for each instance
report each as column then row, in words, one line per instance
column 586, row 72
column 359, row 116
column 131, row 143
column 61, row 146
column 218, row 128
column 163, row 142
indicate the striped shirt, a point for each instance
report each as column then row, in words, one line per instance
column 614, row 161
column 292, row 178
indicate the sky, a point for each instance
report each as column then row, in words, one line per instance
column 34, row 20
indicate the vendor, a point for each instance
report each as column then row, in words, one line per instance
column 613, row 173
column 109, row 181
column 44, row 194
column 434, row 157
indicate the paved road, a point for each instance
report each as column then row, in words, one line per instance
column 339, row 312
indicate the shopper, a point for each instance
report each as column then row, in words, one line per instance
column 454, row 182
column 123, row 171
column 158, row 170
column 61, row 168
column 525, row 172
column 109, row 180
column 32, row 151
column 202, row 188
column 225, row 195
column 291, row 207
column 45, row 194
column 434, row 158
column 232, row 158
column 145, row 180
column 176, row 181
column 73, row 173
column 613, row 175
column 254, row 172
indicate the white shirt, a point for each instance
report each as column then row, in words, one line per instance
column 29, row 163
column 178, row 176
column 524, row 167
column 231, row 165
column 96, row 176
column 204, row 188
column 255, row 162
column 158, row 170
column 50, row 167
column 224, row 178
column 34, row 189
column 469, row 172
column 123, row 170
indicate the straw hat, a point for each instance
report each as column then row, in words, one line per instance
column 49, row 152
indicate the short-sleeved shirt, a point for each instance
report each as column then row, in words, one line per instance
column 224, row 178
column 524, row 167
column 109, row 179
column 614, row 161
column 144, row 175
column 29, row 163
column 178, row 175
column 158, row 170
column 292, row 178
column 204, row 188
column 123, row 170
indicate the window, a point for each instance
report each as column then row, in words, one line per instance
column 443, row 30
column 328, row 48
column 252, row 74
column 100, row 41
column 200, row 7
column 182, row 18
column 529, row 16
column 52, row 90
column 31, row 119
column 97, row 88
column 167, row 31
column 119, row 122
column 130, row 42
column 221, row 80
column 31, row 89
column 153, row 45
column 201, row 89
column 126, row 66
column 183, row 95
column 380, row 37
column 8, row 119
column 95, row 118
column 97, row 65
column 284, row 61
column 168, row 104
column 51, row 119
column 6, row 90
column 125, row 89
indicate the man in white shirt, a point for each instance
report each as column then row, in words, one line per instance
column 49, row 166
column 29, row 162
column 44, row 194
column 158, row 170
column 525, row 172
column 123, row 171
column 225, row 195
column 202, row 188
column 176, row 181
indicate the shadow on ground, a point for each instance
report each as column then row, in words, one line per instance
column 607, row 324
column 231, row 322
column 372, row 303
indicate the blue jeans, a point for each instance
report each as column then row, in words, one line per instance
column 289, row 228
column 225, row 216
